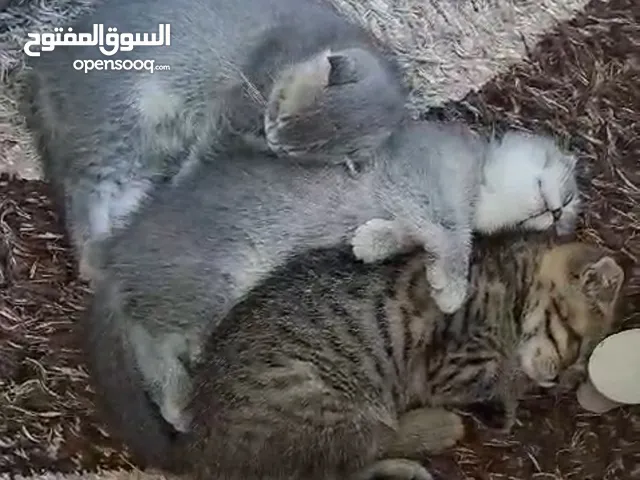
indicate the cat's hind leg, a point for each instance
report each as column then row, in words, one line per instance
column 420, row 432
column 159, row 359
column 425, row 431
column 113, row 347
column 94, row 210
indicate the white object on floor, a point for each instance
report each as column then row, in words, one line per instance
column 614, row 372
column 592, row 400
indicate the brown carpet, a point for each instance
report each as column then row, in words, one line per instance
column 582, row 84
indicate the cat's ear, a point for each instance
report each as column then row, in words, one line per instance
column 602, row 281
column 343, row 70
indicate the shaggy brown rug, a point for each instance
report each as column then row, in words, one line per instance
column 581, row 83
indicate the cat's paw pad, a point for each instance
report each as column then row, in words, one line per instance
column 375, row 240
column 448, row 292
column 396, row 469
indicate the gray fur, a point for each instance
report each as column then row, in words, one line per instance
column 303, row 122
column 108, row 137
column 200, row 246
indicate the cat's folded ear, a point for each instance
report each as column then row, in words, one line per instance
column 602, row 281
column 344, row 69
column 336, row 68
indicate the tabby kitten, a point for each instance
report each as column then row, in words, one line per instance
column 335, row 369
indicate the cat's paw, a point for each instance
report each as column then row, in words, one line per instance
column 376, row 240
column 427, row 430
column 87, row 270
column 396, row 469
column 448, row 291
column 176, row 415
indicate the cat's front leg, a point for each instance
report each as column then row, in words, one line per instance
column 379, row 239
column 448, row 269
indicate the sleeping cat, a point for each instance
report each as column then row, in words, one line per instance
column 334, row 369
column 108, row 136
column 187, row 257
column 520, row 166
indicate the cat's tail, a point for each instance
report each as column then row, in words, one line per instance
column 130, row 414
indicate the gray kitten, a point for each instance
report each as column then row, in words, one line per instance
column 200, row 246
column 108, row 137
column 331, row 369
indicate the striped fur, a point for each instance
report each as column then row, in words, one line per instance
column 332, row 364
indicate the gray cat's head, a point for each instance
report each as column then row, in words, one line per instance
column 335, row 104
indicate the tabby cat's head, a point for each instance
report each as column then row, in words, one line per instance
column 572, row 306
column 335, row 104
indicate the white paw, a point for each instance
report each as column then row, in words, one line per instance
column 87, row 272
column 375, row 240
column 448, row 292
column 176, row 416
column 437, row 276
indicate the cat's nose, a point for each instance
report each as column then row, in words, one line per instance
column 557, row 213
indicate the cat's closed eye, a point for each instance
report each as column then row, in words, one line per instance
column 568, row 198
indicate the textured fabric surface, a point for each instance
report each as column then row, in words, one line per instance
column 450, row 47
column 580, row 83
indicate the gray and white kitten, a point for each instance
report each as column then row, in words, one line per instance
column 108, row 137
column 198, row 247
